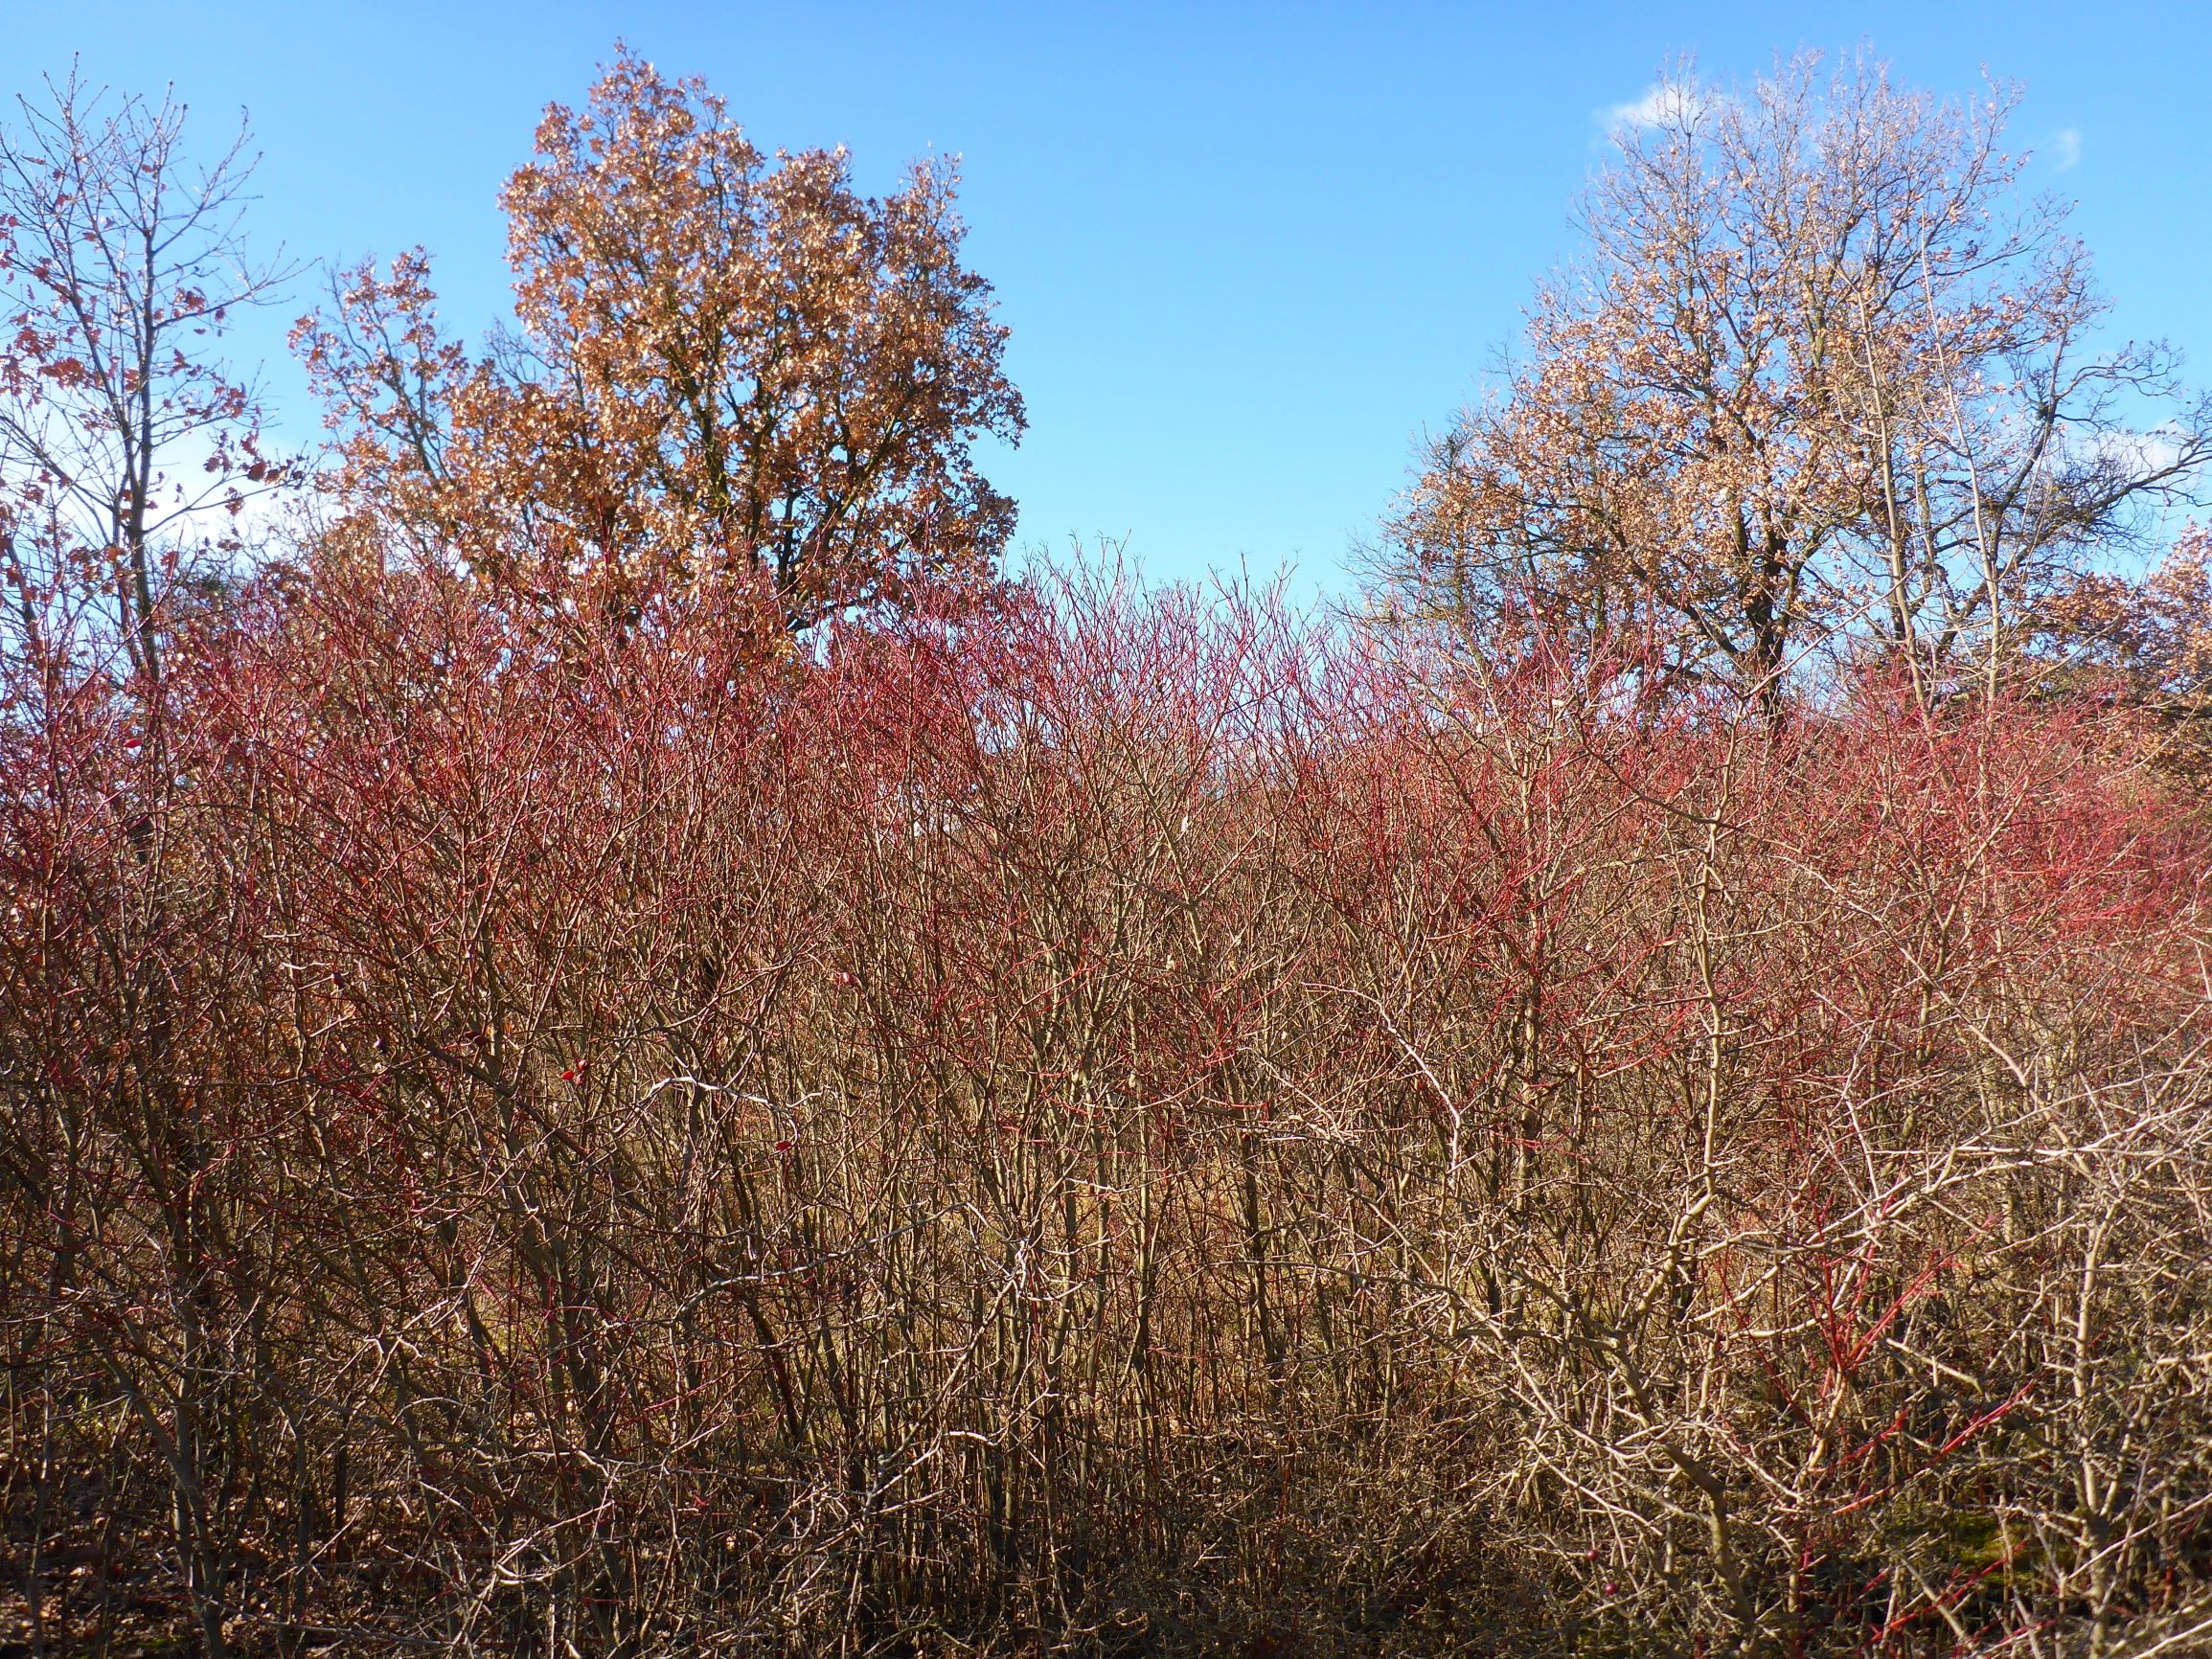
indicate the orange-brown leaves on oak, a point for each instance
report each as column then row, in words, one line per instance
column 727, row 369
column 2157, row 632
column 2149, row 643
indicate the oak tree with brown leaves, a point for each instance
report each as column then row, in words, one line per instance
column 726, row 367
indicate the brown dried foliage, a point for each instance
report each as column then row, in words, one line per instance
column 725, row 371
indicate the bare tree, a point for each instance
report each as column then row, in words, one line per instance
column 1821, row 373
column 128, row 452
column 122, row 264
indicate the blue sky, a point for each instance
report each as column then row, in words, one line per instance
column 1249, row 253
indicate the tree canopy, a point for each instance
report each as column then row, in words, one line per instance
column 725, row 368
column 1821, row 382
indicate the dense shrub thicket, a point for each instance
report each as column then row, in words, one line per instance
column 1125, row 1125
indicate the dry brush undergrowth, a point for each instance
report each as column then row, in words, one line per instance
column 1133, row 1125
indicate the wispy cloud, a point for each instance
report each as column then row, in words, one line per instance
column 2066, row 148
column 1664, row 103
column 2139, row 454
column 2125, row 454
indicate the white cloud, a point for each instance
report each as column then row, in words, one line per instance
column 2141, row 452
column 1664, row 103
column 2066, row 148
column 2135, row 454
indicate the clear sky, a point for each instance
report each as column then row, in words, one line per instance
column 1249, row 253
